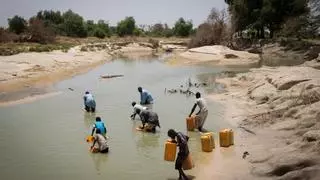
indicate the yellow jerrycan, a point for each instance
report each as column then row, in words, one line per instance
column 170, row 151
column 190, row 123
column 188, row 163
column 226, row 137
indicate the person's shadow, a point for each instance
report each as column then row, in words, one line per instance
column 190, row 177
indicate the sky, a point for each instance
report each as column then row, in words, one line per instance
column 144, row 11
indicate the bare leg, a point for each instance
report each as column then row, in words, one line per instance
column 182, row 175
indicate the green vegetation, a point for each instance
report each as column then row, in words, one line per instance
column 182, row 28
column 259, row 15
column 16, row 48
column 126, row 26
column 45, row 25
column 17, row 24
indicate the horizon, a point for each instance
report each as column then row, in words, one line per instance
column 143, row 11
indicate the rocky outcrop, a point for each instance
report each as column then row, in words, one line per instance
column 282, row 107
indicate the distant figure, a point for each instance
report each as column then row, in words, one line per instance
column 99, row 125
column 182, row 143
column 145, row 96
column 150, row 118
column 135, row 107
column 201, row 116
column 89, row 102
column 102, row 142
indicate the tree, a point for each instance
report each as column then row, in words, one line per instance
column 261, row 14
column 104, row 27
column 39, row 33
column 126, row 26
column 99, row 33
column 17, row 24
column 73, row 24
column 213, row 31
column 182, row 28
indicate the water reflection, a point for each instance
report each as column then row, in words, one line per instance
column 99, row 160
column 89, row 119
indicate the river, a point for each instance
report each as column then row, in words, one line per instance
column 45, row 139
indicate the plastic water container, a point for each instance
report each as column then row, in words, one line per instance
column 212, row 143
column 206, row 143
column 188, row 163
column 190, row 123
column 90, row 139
column 170, row 151
column 226, row 137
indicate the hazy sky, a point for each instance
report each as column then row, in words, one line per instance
column 144, row 11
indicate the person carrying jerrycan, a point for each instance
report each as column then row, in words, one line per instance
column 182, row 143
column 201, row 116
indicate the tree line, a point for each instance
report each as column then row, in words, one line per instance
column 282, row 17
column 48, row 23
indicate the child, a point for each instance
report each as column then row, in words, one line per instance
column 99, row 125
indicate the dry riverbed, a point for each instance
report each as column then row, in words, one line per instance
column 30, row 70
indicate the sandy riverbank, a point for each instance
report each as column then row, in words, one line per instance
column 29, row 70
column 277, row 111
column 216, row 55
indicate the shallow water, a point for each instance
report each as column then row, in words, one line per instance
column 46, row 138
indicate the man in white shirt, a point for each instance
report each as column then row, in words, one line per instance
column 135, row 107
column 201, row 116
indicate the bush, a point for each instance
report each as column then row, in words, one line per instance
column 154, row 42
column 183, row 28
column 214, row 31
column 17, row 24
column 6, row 36
column 126, row 26
column 39, row 33
column 99, row 33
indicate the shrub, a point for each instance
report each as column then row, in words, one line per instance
column 17, row 24
column 154, row 42
column 214, row 31
column 99, row 33
column 6, row 36
column 39, row 33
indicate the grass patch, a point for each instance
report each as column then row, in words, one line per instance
column 7, row 49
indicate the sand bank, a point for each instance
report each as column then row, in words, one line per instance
column 277, row 109
column 216, row 55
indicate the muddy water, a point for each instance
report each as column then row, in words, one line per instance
column 45, row 139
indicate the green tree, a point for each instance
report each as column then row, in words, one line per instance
column 261, row 14
column 104, row 27
column 126, row 26
column 73, row 24
column 99, row 33
column 17, row 24
column 182, row 28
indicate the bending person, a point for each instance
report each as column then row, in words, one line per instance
column 182, row 143
column 201, row 116
column 102, row 142
column 135, row 107
column 89, row 102
column 150, row 118
column 145, row 96
column 99, row 125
